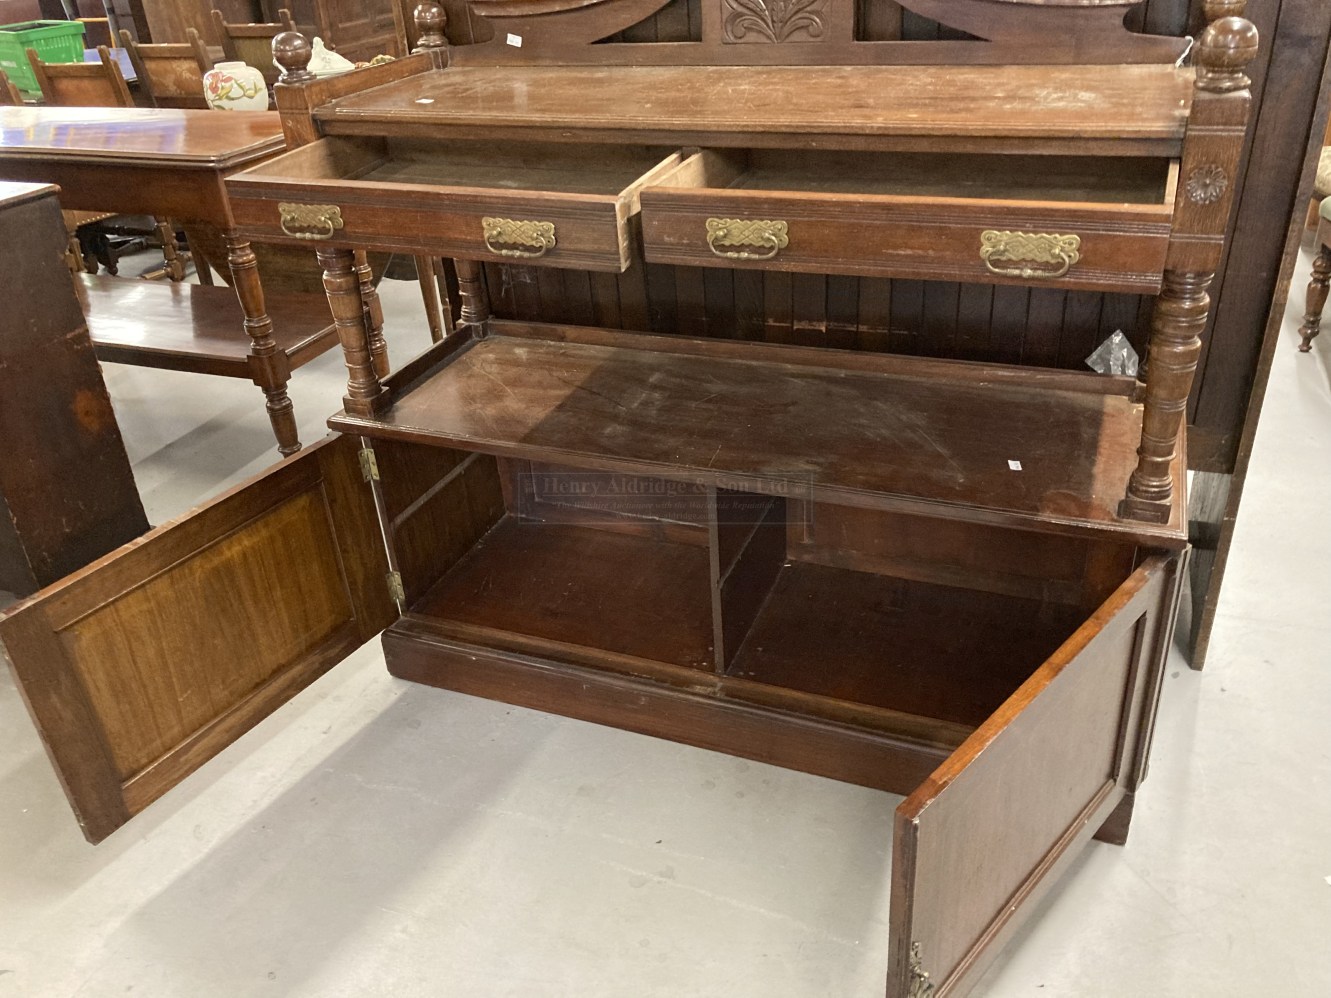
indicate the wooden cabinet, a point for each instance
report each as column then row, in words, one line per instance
column 954, row 582
column 67, row 495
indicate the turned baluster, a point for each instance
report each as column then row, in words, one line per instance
column 1211, row 153
column 365, row 395
column 1317, row 291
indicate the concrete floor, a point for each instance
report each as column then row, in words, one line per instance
column 379, row 838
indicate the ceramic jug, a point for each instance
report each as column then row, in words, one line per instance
column 235, row 86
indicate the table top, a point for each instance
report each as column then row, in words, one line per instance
column 209, row 140
column 15, row 193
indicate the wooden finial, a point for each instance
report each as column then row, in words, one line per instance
column 430, row 21
column 1226, row 48
column 292, row 51
column 1216, row 9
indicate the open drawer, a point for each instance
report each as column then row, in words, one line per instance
column 555, row 205
column 1003, row 680
column 1090, row 223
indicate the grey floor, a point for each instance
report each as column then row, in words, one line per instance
column 380, row 838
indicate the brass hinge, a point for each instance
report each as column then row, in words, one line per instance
column 395, row 589
column 920, row 985
column 369, row 464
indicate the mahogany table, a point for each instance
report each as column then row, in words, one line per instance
column 171, row 164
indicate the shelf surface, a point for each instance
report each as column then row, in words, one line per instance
column 191, row 327
column 998, row 445
column 935, row 651
column 631, row 595
column 1064, row 103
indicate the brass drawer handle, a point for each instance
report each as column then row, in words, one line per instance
column 540, row 236
column 769, row 235
column 310, row 221
column 1036, row 255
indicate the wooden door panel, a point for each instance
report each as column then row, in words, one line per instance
column 992, row 828
column 149, row 662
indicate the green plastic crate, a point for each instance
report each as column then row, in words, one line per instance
column 55, row 41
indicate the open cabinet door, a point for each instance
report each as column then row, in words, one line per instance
column 147, row 663
column 991, row 830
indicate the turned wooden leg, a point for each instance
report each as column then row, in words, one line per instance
column 1176, row 345
column 365, row 395
column 374, row 315
column 269, row 365
column 430, row 296
column 74, row 254
column 475, row 297
column 175, row 266
column 1317, row 289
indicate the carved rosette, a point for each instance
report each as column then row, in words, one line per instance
column 1207, row 184
column 773, row 21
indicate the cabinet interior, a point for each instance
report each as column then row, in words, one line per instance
column 904, row 623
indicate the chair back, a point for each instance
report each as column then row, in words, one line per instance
column 9, row 94
column 253, row 43
column 82, row 84
column 171, row 74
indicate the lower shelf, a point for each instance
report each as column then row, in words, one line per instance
column 844, row 645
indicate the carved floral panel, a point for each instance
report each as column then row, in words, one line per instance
column 773, row 21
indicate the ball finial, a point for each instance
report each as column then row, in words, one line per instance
column 430, row 20
column 1225, row 49
column 292, row 51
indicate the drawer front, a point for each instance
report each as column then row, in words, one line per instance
column 532, row 229
column 1118, row 248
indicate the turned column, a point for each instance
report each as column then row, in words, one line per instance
column 269, row 365
column 175, row 265
column 1317, row 289
column 474, row 296
column 374, row 315
column 365, row 395
column 1212, row 150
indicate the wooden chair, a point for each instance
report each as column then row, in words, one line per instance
column 10, row 95
column 253, row 43
column 100, row 84
column 82, row 84
column 171, row 74
column 1321, row 280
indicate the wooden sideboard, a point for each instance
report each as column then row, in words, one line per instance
column 67, row 495
column 951, row 581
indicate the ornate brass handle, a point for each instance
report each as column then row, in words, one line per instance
column 1036, row 255
column 310, row 221
column 539, row 236
column 770, row 236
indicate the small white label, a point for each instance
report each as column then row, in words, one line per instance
column 515, row 41
column 424, row 100
column 1014, row 465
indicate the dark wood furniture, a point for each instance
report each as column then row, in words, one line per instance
column 356, row 29
column 1320, row 282
column 67, row 495
column 171, row 75
column 951, row 581
column 252, row 43
column 170, row 163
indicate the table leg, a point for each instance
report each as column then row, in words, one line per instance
column 1317, row 289
column 269, row 366
column 175, row 266
column 374, row 315
column 430, row 296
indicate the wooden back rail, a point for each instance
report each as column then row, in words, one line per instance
column 1211, row 149
column 82, row 84
column 252, row 43
column 171, row 74
column 10, row 95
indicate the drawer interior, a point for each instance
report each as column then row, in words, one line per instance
column 897, row 620
column 554, row 168
column 1082, row 180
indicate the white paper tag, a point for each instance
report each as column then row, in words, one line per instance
column 515, row 41
column 424, row 100
column 1014, row 465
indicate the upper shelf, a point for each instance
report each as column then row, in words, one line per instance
column 1064, row 109
column 1047, row 450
